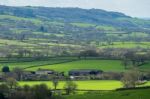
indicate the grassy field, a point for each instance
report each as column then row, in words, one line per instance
column 146, row 67
column 85, row 25
column 37, row 63
column 128, row 94
column 126, row 45
column 14, row 42
column 110, row 85
column 67, row 64
column 92, row 85
column 82, row 85
column 105, row 65
column 35, row 21
column 33, row 44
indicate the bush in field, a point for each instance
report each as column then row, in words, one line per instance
column 26, row 88
column 70, row 87
column 5, row 69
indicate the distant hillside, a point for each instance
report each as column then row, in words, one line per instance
column 63, row 31
column 95, row 16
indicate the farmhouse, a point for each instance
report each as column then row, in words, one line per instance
column 44, row 72
column 41, row 74
column 29, row 75
column 84, row 72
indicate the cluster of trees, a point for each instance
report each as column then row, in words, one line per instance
column 11, row 90
column 125, row 55
column 41, row 51
column 16, row 73
column 134, row 59
column 132, row 78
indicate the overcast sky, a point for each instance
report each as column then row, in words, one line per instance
column 135, row 8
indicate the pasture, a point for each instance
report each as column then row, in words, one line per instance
column 35, row 63
column 81, row 85
column 71, row 63
column 128, row 94
column 105, row 65
column 33, row 44
column 125, row 45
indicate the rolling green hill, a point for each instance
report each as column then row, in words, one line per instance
column 67, row 31
column 35, row 38
column 96, row 16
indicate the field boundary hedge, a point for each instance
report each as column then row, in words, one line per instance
column 123, row 89
column 30, row 59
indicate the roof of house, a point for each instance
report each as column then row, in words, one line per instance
column 44, row 70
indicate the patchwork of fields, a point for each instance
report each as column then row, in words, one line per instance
column 34, row 43
column 105, row 65
column 31, row 37
column 127, row 45
column 65, row 65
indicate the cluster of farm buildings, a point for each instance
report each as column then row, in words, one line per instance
column 46, row 74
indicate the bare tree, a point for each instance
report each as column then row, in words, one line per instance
column 11, row 82
column 18, row 72
column 131, row 78
column 55, row 83
column 70, row 87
